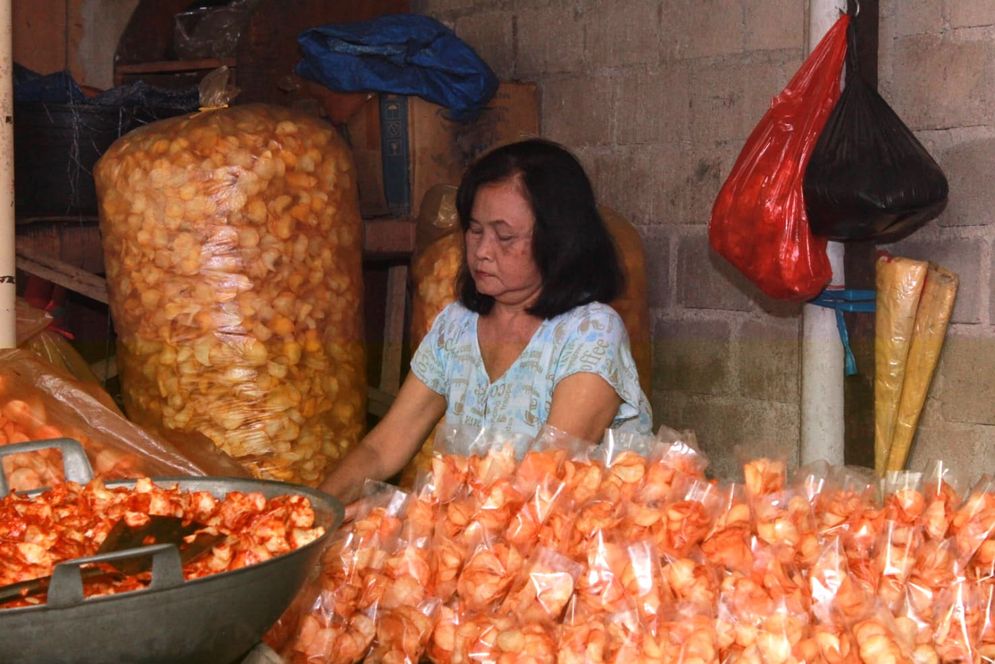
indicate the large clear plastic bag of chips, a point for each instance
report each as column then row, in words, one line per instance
column 233, row 247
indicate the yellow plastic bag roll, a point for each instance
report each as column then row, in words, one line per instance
column 899, row 287
column 233, row 245
column 932, row 318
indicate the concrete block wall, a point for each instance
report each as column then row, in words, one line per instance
column 657, row 98
column 937, row 69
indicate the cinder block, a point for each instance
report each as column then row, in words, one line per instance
column 966, row 390
column 491, row 34
column 972, row 196
column 550, row 40
column 626, row 177
column 991, row 291
column 708, row 169
column 654, row 106
column 656, row 246
column 692, row 355
column 715, row 26
column 705, row 280
column 668, row 408
column 737, row 429
column 774, row 24
column 646, row 182
column 963, row 256
column 769, row 360
column 623, row 32
column 971, row 13
column 439, row 9
column 937, row 83
column 576, row 110
column 959, row 446
column 900, row 18
column 729, row 99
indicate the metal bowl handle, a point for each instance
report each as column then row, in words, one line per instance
column 66, row 587
column 75, row 466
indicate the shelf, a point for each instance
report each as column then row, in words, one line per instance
column 388, row 237
column 172, row 66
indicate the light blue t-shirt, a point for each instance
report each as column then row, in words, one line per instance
column 590, row 338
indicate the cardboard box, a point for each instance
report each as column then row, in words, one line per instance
column 403, row 146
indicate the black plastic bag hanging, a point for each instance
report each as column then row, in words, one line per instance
column 869, row 177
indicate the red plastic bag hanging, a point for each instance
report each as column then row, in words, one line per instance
column 759, row 223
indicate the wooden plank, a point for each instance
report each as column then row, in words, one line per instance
column 859, row 268
column 149, row 34
column 63, row 274
column 388, row 237
column 267, row 49
column 160, row 66
column 77, row 244
column 390, row 367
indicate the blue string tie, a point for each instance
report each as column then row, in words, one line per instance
column 846, row 300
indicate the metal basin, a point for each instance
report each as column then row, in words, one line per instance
column 215, row 619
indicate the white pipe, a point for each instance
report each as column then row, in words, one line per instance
column 8, row 338
column 822, row 415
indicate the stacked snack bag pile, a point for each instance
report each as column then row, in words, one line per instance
column 541, row 551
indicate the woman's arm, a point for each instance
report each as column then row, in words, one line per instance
column 583, row 405
column 391, row 443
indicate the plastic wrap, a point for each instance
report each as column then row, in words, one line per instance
column 899, row 288
column 936, row 304
column 38, row 402
column 33, row 333
column 232, row 241
column 334, row 617
column 759, row 223
column 211, row 32
column 29, row 320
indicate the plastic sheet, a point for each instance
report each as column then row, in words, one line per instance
column 759, row 223
column 936, row 305
column 899, row 287
column 38, row 402
column 400, row 54
column 232, row 241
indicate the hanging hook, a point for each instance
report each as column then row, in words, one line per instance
column 856, row 11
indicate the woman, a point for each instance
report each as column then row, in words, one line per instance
column 529, row 341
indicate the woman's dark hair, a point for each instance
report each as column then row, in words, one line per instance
column 570, row 243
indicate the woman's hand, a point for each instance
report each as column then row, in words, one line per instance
column 390, row 444
column 583, row 405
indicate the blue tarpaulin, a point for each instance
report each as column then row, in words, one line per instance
column 402, row 54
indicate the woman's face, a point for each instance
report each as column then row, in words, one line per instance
column 499, row 244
